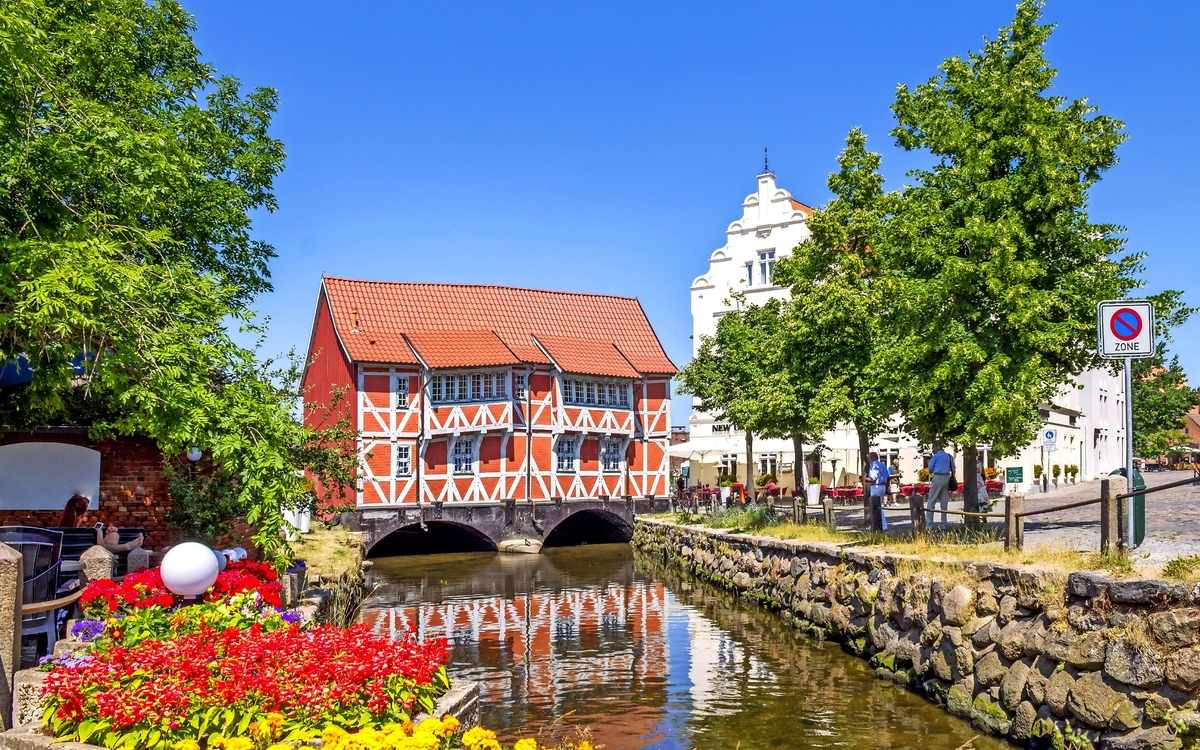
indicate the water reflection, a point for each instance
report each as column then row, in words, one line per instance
column 647, row 659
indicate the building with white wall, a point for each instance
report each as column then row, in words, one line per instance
column 1089, row 418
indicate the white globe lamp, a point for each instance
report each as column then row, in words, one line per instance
column 222, row 561
column 189, row 569
column 241, row 554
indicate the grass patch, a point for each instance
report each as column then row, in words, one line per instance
column 1186, row 569
column 329, row 551
column 938, row 551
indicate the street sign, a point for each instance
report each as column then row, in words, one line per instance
column 1049, row 438
column 1126, row 329
column 1014, row 474
column 685, row 470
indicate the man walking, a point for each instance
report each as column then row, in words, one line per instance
column 941, row 466
column 877, row 473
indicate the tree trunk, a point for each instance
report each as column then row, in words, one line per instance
column 799, row 467
column 749, row 465
column 970, row 487
column 864, row 447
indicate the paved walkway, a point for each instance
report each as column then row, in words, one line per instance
column 1172, row 519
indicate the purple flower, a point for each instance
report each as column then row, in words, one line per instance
column 290, row 616
column 65, row 659
column 87, row 630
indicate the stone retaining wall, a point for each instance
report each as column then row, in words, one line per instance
column 1044, row 660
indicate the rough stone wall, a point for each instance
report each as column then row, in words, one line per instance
column 1046, row 661
column 132, row 491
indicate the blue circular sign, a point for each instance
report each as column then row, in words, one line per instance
column 1126, row 324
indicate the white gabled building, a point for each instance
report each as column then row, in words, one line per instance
column 1089, row 419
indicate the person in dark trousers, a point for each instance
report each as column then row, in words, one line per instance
column 941, row 467
column 877, row 474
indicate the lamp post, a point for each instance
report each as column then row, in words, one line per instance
column 189, row 569
column 194, row 454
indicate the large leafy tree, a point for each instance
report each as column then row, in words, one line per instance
column 128, row 172
column 994, row 264
column 741, row 374
column 1161, row 396
column 833, row 320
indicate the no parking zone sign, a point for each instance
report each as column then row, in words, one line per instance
column 1126, row 329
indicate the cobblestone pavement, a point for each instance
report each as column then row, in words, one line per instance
column 1172, row 519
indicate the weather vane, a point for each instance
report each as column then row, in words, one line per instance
column 766, row 165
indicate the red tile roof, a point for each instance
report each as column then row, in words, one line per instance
column 451, row 322
column 448, row 349
column 798, row 206
column 588, row 356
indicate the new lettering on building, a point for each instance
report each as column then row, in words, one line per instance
column 477, row 393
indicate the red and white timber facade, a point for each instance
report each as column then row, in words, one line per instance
column 483, row 394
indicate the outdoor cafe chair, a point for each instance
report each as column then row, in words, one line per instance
column 41, row 553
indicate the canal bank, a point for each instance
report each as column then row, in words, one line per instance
column 1036, row 657
column 603, row 637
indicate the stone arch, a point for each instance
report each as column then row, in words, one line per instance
column 590, row 526
column 434, row 538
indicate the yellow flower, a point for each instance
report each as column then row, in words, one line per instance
column 215, row 741
column 585, row 745
column 239, row 743
column 186, row 745
column 526, row 744
column 478, row 738
column 450, row 723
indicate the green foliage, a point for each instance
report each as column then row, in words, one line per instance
column 1161, row 401
column 1181, row 568
column 1037, row 471
column 129, row 173
column 742, row 518
column 833, row 322
column 994, row 267
column 202, row 507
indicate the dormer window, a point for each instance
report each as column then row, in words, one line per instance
column 471, row 386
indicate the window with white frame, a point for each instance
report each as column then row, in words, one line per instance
column 728, row 463
column 768, row 463
column 766, row 266
column 464, row 456
column 403, row 460
column 610, row 455
column 565, row 450
column 749, row 274
column 596, row 393
column 402, row 392
column 472, row 386
column 519, row 385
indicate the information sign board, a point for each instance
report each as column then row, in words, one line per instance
column 1014, row 474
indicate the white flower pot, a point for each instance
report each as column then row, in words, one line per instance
column 814, row 494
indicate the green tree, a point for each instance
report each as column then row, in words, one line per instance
column 995, row 267
column 741, row 374
column 1161, row 396
column 128, row 171
column 834, row 324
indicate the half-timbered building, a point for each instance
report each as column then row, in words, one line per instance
column 468, row 393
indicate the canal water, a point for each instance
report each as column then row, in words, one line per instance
column 601, row 638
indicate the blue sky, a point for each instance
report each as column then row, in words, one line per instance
column 605, row 147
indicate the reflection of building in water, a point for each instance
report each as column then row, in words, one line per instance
column 555, row 643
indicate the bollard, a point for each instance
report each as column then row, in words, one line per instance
column 1109, row 525
column 98, row 563
column 137, row 560
column 12, row 588
column 1117, row 486
column 916, row 513
column 1014, row 506
column 827, row 509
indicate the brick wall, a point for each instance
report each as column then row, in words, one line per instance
column 132, row 491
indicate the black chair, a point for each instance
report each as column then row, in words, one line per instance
column 76, row 541
column 41, row 550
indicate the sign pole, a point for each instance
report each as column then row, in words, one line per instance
column 1129, row 452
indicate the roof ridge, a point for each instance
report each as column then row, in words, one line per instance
column 482, row 286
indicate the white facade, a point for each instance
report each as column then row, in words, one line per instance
column 1089, row 418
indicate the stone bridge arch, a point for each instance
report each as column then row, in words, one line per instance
column 482, row 526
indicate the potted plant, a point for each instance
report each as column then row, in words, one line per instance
column 923, row 475
column 814, row 491
column 1037, row 471
column 1056, row 472
column 990, row 472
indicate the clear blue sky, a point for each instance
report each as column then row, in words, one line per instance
column 605, row 147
